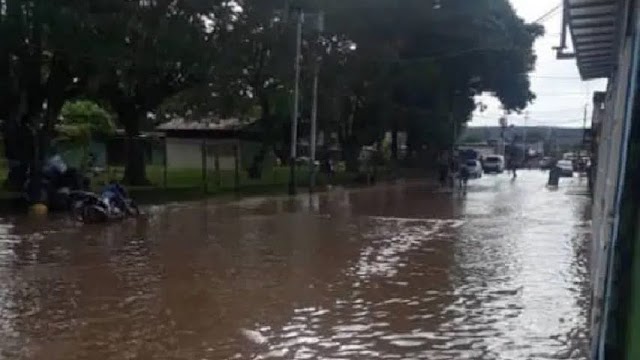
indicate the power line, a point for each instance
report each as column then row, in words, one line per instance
column 561, row 94
column 536, row 122
column 554, row 77
column 556, row 111
column 534, row 118
column 548, row 14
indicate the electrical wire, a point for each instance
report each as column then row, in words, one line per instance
column 548, row 14
column 577, row 123
column 556, row 111
column 554, row 77
column 534, row 119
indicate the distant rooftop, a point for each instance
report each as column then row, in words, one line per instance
column 229, row 124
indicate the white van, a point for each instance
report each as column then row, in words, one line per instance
column 493, row 164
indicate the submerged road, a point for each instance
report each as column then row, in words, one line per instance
column 392, row 272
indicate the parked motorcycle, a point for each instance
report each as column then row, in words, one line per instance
column 90, row 208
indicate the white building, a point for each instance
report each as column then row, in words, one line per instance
column 188, row 144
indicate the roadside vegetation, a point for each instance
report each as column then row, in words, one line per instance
column 79, row 69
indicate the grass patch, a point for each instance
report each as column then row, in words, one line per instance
column 189, row 184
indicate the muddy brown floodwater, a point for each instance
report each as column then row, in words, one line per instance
column 392, row 272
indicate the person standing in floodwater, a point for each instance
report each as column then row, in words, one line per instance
column 453, row 171
column 513, row 166
column 464, row 176
column 443, row 168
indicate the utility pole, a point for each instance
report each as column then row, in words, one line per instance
column 314, row 108
column 454, row 132
column 452, row 120
column 524, row 135
column 584, row 128
column 296, row 106
column 503, row 126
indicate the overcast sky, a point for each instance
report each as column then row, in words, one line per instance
column 561, row 95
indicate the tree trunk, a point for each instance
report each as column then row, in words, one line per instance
column 394, row 141
column 350, row 153
column 412, row 147
column 18, row 153
column 267, row 121
column 257, row 165
column 135, row 171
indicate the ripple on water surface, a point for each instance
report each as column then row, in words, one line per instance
column 389, row 273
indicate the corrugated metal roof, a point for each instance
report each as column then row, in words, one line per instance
column 594, row 30
column 206, row 124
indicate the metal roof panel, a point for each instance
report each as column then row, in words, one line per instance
column 594, row 26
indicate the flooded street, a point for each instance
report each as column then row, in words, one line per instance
column 392, row 272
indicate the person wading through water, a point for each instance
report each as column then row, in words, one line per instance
column 513, row 166
column 443, row 168
column 464, row 177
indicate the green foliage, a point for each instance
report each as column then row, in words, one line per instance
column 385, row 65
column 416, row 68
column 83, row 117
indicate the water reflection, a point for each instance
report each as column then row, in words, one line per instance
column 392, row 272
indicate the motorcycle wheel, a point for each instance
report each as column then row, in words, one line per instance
column 93, row 214
column 132, row 208
column 78, row 210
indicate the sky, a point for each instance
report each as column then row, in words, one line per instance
column 561, row 94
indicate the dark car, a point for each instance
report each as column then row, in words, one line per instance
column 546, row 163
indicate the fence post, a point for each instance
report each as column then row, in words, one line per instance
column 217, row 166
column 236, row 150
column 107, row 164
column 204, row 166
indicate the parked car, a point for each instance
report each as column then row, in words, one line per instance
column 565, row 167
column 474, row 168
column 546, row 163
column 493, row 164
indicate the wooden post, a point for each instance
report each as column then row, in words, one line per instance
column 236, row 151
column 107, row 165
column 217, row 166
column 204, row 166
column 165, row 164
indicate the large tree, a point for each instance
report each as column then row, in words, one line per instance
column 251, row 78
column 387, row 66
column 436, row 59
column 264, row 60
column 160, row 48
column 44, row 54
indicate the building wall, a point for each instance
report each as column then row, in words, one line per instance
column 633, row 345
column 612, row 142
column 607, row 178
column 187, row 154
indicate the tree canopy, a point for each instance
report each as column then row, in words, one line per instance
column 85, row 119
column 386, row 66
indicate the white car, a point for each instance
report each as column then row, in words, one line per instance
column 565, row 167
column 474, row 168
column 493, row 164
